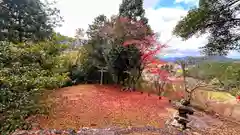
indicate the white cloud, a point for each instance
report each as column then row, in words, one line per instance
column 80, row 13
column 150, row 3
column 234, row 54
column 195, row 2
column 163, row 20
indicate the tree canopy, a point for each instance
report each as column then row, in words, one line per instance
column 225, row 75
column 94, row 29
column 133, row 9
column 219, row 18
column 121, row 42
column 27, row 20
column 35, row 58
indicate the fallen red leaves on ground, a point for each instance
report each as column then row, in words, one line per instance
column 103, row 106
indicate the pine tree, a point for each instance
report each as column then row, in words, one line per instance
column 133, row 9
column 27, row 20
column 94, row 29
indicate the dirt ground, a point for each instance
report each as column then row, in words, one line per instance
column 98, row 106
column 103, row 106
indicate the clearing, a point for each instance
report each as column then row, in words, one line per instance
column 103, row 106
column 96, row 106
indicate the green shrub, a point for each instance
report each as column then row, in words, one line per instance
column 25, row 71
column 82, row 69
column 235, row 92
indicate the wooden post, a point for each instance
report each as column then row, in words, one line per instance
column 102, row 70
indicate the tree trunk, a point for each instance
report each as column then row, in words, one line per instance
column 189, row 96
column 20, row 30
column 118, row 79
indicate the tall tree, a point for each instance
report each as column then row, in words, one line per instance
column 133, row 9
column 97, row 51
column 160, row 79
column 79, row 37
column 116, row 42
column 93, row 30
column 190, row 84
column 24, row 20
column 217, row 17
column 79, row 33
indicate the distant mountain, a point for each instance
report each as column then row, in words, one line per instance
column 173, row 59
column 209, row 58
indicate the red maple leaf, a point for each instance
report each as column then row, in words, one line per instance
column 149, row 46
column 238, row 98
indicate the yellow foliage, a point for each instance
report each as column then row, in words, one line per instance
column 76, row 56
column 219, row 96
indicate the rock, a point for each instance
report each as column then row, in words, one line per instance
column 175, row 123
column 57, row 131
column 211, row 121
column 175, row 114
column 71, row 131
column 84, row 128
column 23, row 132
column 36, row 126
column 196, row 122
column 123, row 131
column 101, row 131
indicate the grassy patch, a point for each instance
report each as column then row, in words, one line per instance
column 219, row 96
column 208, row 95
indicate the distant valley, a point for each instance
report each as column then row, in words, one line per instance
column 209, row 58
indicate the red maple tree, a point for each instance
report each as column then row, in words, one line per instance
column 159, row 79
column 238, row 98
column 135, row 33
column 149, row 46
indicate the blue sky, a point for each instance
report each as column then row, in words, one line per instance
column 173, row 4
column 185, row 5
column 163, row 15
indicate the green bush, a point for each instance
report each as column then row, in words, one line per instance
column 235, row 92
column 25, row 71
column 82, row 67
column 223, row 74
